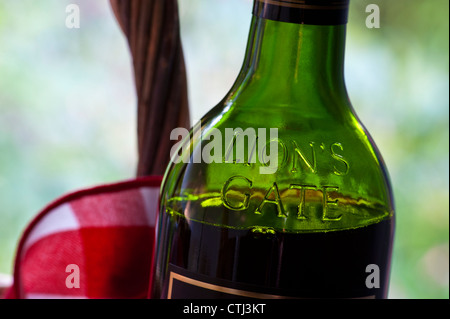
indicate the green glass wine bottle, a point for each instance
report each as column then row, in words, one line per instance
column 279, row 191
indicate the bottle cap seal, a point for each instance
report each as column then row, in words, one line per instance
column 317, row 12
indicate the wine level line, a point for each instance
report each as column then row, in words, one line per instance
column 299, row 207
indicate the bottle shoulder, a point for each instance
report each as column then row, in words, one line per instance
column 307, row 173
column 283, row 111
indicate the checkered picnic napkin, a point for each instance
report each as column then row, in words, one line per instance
column 94, row 243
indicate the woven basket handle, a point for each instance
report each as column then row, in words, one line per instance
column 153, row 31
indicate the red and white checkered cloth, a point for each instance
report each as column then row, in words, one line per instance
column 94, row 243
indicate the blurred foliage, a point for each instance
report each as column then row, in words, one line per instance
column 67, row 110
column 407, row 114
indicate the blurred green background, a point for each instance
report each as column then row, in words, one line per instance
column 68, row 110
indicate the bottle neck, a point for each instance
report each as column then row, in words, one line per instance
column 294, row 60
